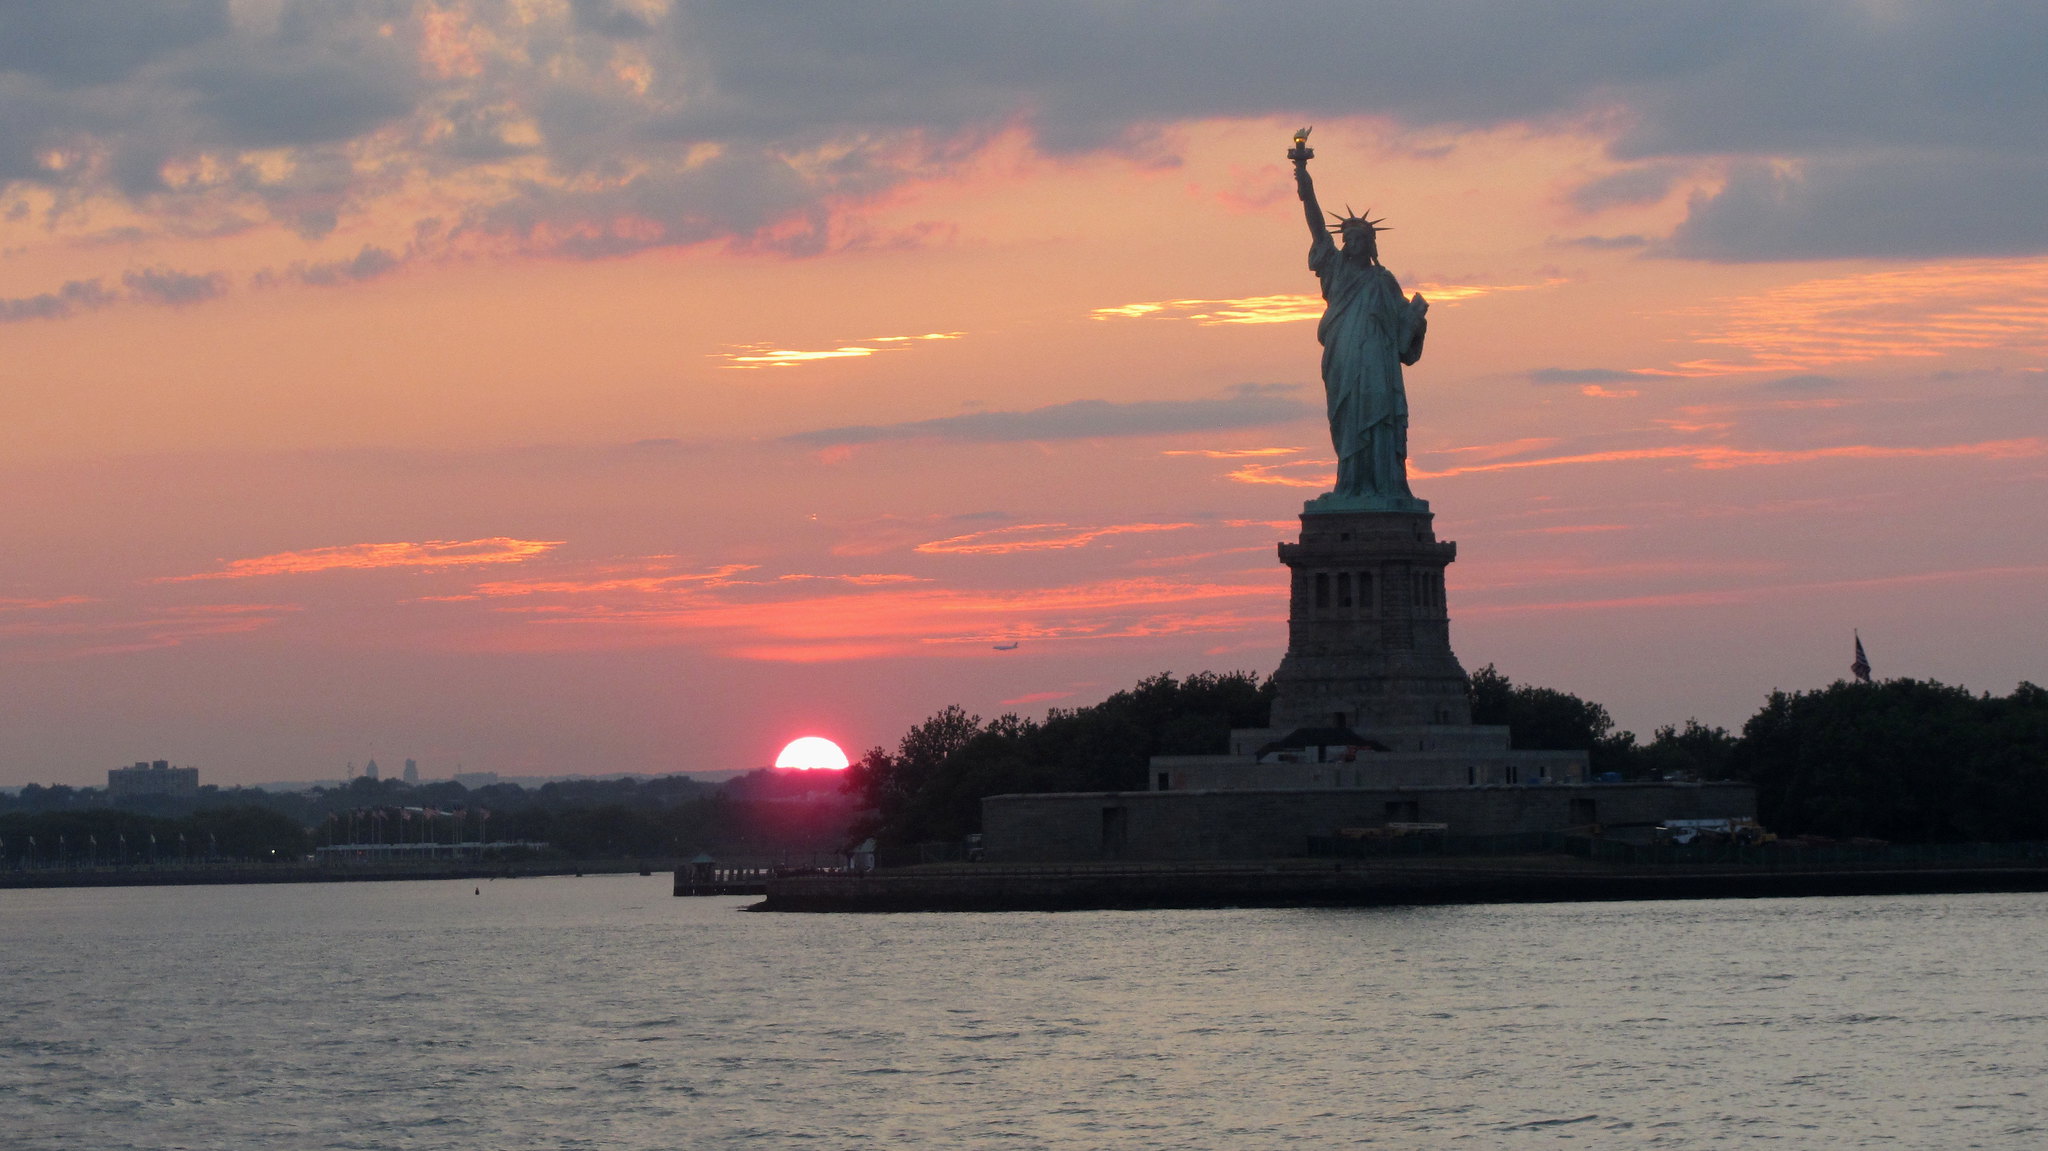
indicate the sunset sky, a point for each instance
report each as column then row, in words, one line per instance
column 556, row 387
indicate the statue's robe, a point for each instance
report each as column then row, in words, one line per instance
column 1368, row 331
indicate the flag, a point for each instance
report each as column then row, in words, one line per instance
column 1861, row 668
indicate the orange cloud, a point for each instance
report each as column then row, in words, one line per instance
column 356, row 557
column 1287, row 309
column 1284, row 309
column 1230, row 453
column 1693, row 427
column 1496, row 451
column 608, row 583
column 1911, row 312
column 769, row 356
column 1197, row 557
column 1272, row 474
column 1034, row 537
column 1600, row 393
column 1715, row 457
column 873, row 580
column 1454, row 294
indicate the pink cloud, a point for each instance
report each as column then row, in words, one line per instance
column 761, row 620
column 1750, row 592
column 1037, row 697
column 12, row 604
column 46, row 638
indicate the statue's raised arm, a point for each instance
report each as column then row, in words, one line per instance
column 1301, row 154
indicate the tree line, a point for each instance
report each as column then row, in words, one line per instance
column 1908, row 761
column 931, row 786
column 1902, row 760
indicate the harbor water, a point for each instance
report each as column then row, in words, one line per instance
column 601, row 1013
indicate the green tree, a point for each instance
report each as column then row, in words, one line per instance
column 1906, row 760
column 1545, row 719
column 1694, row 751
column 932, row 786
column 252, row 833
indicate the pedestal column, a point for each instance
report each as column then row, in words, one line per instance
column 1368, row 633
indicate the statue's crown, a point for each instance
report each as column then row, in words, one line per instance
column 1347, row 219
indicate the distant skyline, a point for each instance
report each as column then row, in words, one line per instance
column 594, row 387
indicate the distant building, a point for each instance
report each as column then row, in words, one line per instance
column 412, row 771
column 370, row 770
column 158, row 778
column 475, row 779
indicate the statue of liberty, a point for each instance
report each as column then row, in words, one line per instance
column 1368, row 332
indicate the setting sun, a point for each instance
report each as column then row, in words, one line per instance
column 812, row 753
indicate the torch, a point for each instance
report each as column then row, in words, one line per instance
column 1301, row 153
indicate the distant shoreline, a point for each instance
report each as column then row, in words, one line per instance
column 294, row 873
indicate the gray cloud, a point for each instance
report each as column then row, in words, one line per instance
column 75, row 296
column 1604, row 243
column 609, row 18
column 367, row 264
column 1914, row 206
column 260, row 105
column 1247, row 406
column 147, row 286
column 77, row 42
column 1913, row 129
column 1642, row 184
column 167, row 286
column 1580, row 376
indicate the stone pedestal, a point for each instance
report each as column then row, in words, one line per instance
column 1368, row 636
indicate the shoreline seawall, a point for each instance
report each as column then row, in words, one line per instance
column 1323, row 883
